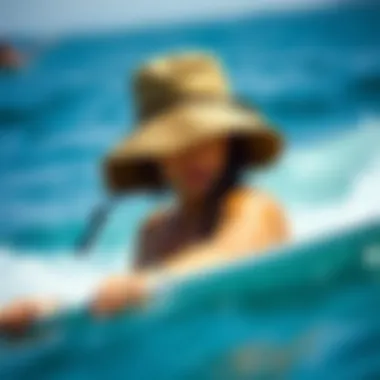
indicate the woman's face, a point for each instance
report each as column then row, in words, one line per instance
column 193, row 172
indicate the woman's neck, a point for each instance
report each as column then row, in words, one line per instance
column 191, row 209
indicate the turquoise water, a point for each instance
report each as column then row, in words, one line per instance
column 311, row 312
column 315, row 73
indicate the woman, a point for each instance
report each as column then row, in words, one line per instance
column 195, row 139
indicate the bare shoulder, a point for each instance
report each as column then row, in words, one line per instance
column 251, row 221
column 259, row 210
column 247, row 201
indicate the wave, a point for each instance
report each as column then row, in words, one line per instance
column 360, row 204
column 331, row 185
column 327, row 187
column 68, row 279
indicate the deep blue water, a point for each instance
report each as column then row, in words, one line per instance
column 309, row 313
column 316, row 74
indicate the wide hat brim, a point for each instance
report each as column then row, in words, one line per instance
column 131, row 166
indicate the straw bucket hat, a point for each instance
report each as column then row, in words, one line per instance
column 181, row 101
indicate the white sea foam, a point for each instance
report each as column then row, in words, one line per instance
column 361, row 203
column 327, row 187
column 66, row 278
column 333, row 184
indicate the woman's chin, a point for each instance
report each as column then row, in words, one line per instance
column 198, row 193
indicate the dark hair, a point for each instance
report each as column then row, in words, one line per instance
column 235, row 164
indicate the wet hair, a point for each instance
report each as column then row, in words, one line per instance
column 230, row 179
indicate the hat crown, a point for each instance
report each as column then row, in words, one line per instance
column 167, row 81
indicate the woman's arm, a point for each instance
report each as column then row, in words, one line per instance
column 249, row 224
column 16, row 317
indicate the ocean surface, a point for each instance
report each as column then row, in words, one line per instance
column 316, row 74
column 309, row 312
